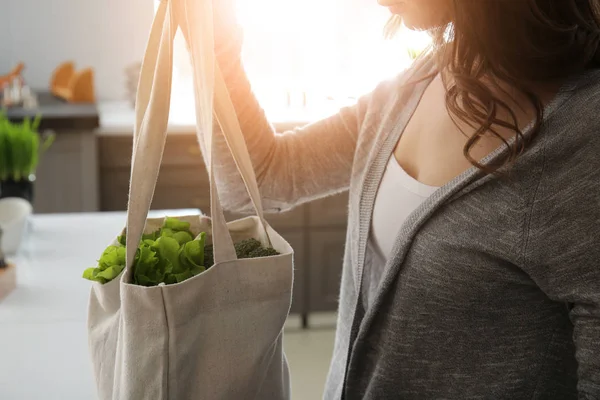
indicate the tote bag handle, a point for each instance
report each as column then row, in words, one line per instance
column 152, row 114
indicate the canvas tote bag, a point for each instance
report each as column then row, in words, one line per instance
column 219, row 334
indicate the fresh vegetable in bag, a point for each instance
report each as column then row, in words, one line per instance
column 169, row 255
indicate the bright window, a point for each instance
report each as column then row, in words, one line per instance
column 307, row 58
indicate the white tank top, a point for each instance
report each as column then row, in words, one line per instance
column 398, row 196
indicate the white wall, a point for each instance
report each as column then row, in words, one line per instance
column 107, row 35
column 4, row 41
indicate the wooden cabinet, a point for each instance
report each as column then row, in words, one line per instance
column 325, row 268
column 326, row 224
column 182, row 180
column 180, row 150
column 176, row 187
column 293, row 219
column 115, row 150
column 329, row 212
column 67, row 175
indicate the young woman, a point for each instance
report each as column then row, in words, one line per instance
column 472, row 264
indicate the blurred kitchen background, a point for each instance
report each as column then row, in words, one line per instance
column 74, row 63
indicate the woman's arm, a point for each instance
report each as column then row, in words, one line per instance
column 562, row 250
column 291, row 167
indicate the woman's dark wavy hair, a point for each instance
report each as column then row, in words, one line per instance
column 519, row 43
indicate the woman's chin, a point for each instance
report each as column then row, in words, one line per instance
column 414, row 25
column 418, row 24
column 397, row 9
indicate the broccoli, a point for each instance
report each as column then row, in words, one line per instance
column 249, row 248
column 263, row 252
column 245, row 247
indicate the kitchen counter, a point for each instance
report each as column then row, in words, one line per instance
column 58, row 115
column 118, row 118
column 43, row 336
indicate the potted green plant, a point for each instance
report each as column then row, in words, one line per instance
column 20, row 148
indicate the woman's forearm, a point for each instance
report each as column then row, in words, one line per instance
column 292, row 167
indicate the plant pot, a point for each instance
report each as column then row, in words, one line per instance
column 22, row 189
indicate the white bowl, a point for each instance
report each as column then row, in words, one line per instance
column 13, row 218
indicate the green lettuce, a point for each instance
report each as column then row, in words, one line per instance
column 110, row 265
column 169, row 255
column 176, row 225
column 169, row 259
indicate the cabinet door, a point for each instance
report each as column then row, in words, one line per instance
column 326, row 253
column 115, row 150
column 180, row 150
column 289, row 220
column 329, row 212
column 177, row 187
column 182, row 181
column 67, row 175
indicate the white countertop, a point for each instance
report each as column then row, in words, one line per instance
column 118, row 117
column 43, row 336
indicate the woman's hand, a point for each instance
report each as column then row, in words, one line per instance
column 226, row 26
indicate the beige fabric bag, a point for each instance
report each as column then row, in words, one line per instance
column 219, row 334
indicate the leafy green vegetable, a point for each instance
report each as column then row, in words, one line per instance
column 192, row 253
column 110, row 265
column 243, row 248
column 149, row 269
column 113, row 255
column 151, row 236
column 182, row 237
column 169, row 255
column 263, row 252
column 249, row 248
column 252, row 248
column 176, row 225
column 168, row 249
column 166, row 260
column 20, row 147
